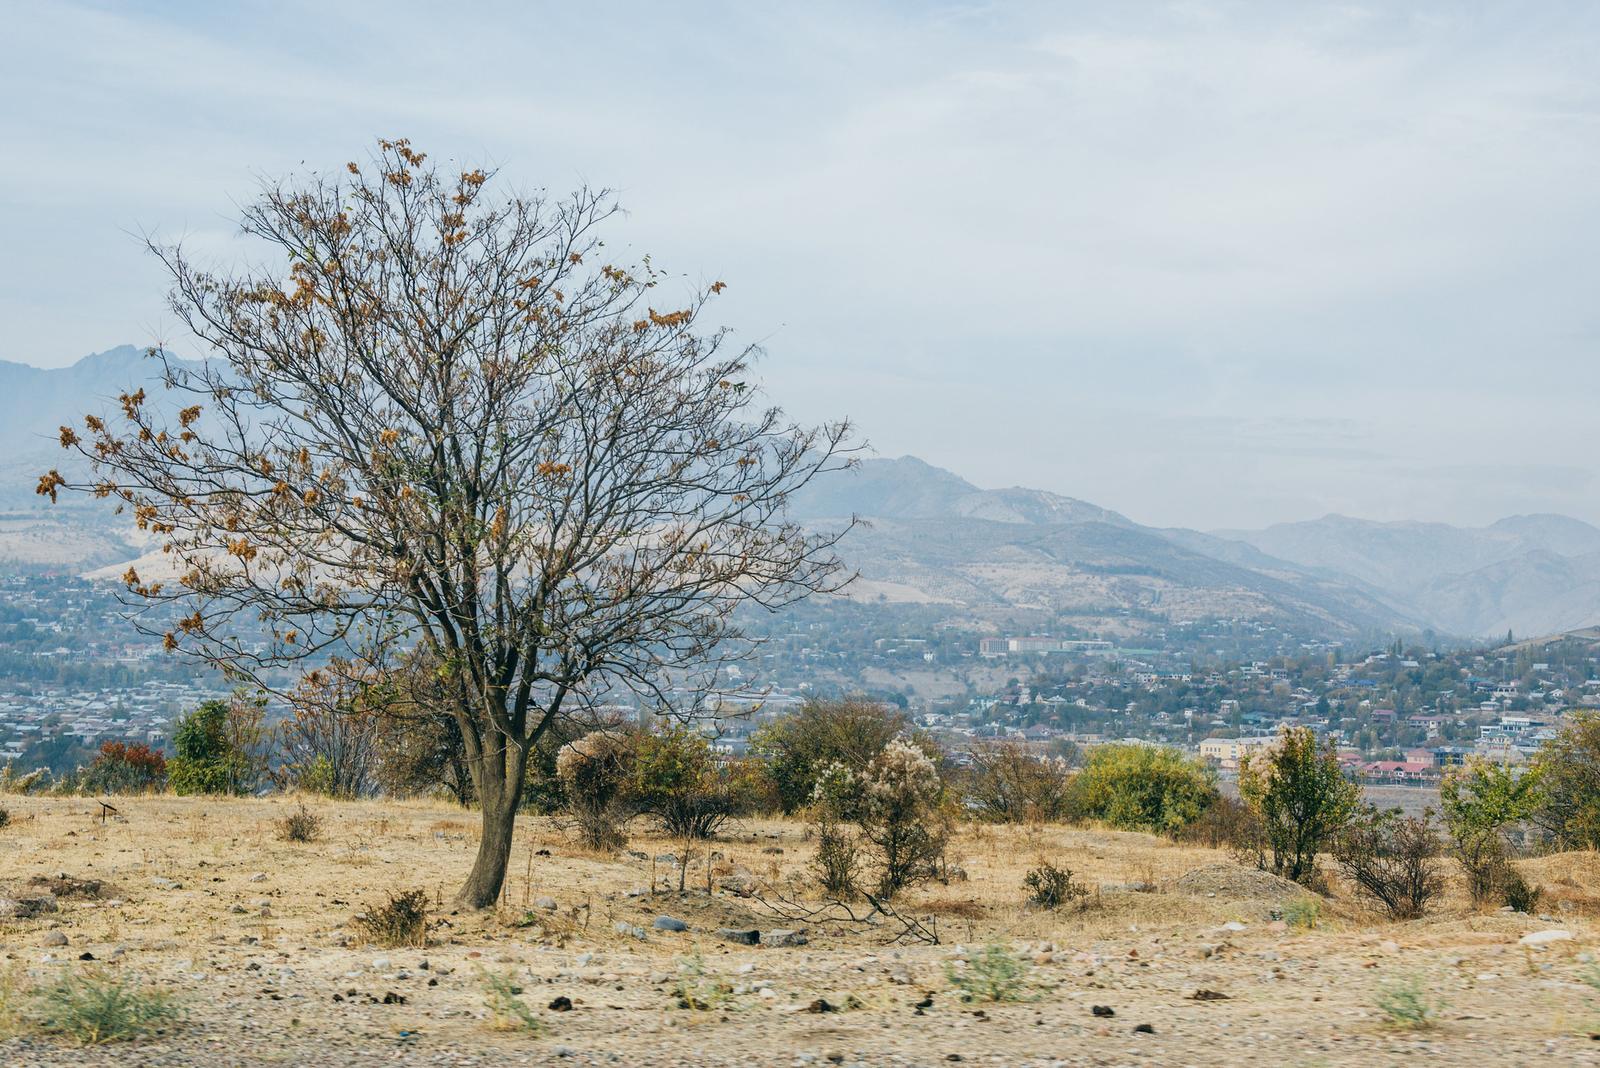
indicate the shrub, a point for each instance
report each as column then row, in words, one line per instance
column 1299, row 793
column 837, row 863
column 685, row 788
column 697, row 988
column 1226, row 823
column 120, row 768
column 1009, row 784
column 93, row 1006
column 1517, row 892
column 301, row 825
column 1567, row 771
column 507, row 1011
column 1393, row 859
column 1051, row 887
column 400, row 921
column 1143, row 787
column 801, row 747
column 899, row 815
column 5, row 818
column 993, row 974
column 329, row 743
column 1302, row 913
column 1405, row 1004
column 12, row 783
column 219, row 748
column 595, row 772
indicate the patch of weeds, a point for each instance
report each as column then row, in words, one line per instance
column 93, row 1007
column 12, row 996
column 507, row 1011
column 994, row 973
column 5, row 818
column 1302, row 913
column 1051, row 887
column 401, row 921
column 699, row 989
column 1405, row 1004
column 301, row 825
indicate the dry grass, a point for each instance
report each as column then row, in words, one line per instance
column 192, row 873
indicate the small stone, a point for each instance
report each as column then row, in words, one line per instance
column 668, row 923
column 561, row 1003
column 548, row 904
column 55, row 938
column 1102, row 1010
column 1144, row 1029
column 165, row 884
column 259, row 877
column 783, row 938
column 1544, row 938
column 739, row 935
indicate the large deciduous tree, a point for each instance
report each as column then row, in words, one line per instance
column 442, row 417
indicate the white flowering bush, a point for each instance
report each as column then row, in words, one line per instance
column 900, row 799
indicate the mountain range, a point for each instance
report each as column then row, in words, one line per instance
column 931, row 536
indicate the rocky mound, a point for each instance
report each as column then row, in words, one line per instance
column 1237, row 881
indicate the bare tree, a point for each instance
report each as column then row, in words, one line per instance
column 329, row 743
column 448, row 420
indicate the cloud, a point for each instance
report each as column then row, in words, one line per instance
column 1347, row 235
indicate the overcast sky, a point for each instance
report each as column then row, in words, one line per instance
column 1208, row 264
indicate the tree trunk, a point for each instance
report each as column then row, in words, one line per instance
column 499, row 782
column 488, row 873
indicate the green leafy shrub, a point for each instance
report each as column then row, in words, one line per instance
column 800, row 748
column 1297, row 790
column 1404, row 1003
column 690, row 793
column 1302, row 913
column 1143, row 787
column 95, row 1006
column 219, row 748
column 994, row 973
column 1567, row 778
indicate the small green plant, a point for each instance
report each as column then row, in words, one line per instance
column 12, row 995
column 993, row 974
column 697, row 988
column 1302, row 913
column 1405, row 1004
column 92, row 1007
column 5, row 818
column 401, row 921
column 301, row 825
column 507, row 1011
column 1051, row 887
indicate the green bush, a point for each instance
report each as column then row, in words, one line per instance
column 1143, row 788
column 1299, row 793
column 1567, row 778
column 799, row 748
column 993, row 974
column 1051, row 887
column 689, row 792
column 94, row 1006
column 507, row 1011
column 1405, row 1004
column 218, row 749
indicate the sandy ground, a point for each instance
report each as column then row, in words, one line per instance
column 255, row 937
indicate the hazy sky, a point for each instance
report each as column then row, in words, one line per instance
column 1208, row 264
